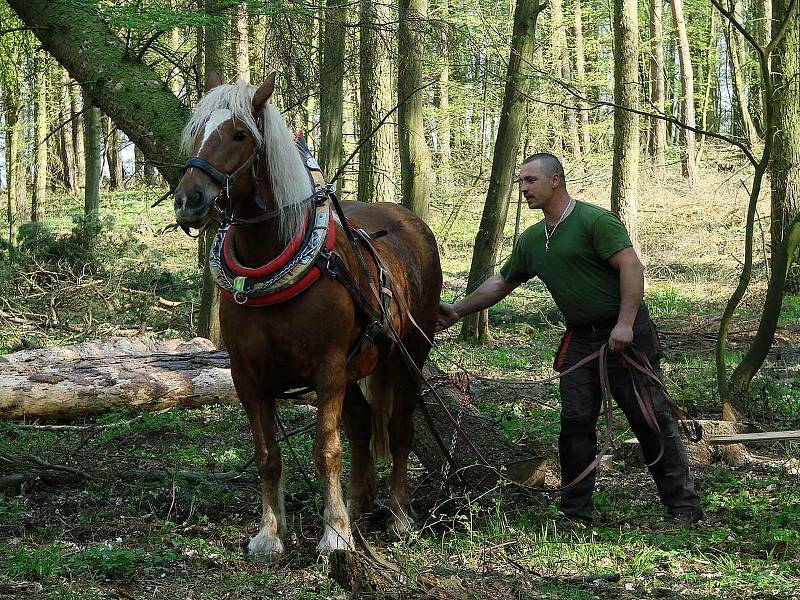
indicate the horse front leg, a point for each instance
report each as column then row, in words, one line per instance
column 328, row 459
column 267, row 545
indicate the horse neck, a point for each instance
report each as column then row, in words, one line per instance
column 258, row 243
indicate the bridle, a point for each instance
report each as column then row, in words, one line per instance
column 226, row 181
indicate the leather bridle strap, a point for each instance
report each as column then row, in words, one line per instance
column 223, row 180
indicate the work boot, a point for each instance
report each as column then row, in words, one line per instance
column 679, row 520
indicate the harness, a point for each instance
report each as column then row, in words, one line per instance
column 307, row 256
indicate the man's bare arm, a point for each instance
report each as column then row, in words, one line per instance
column 631, row 289
column 489, row 293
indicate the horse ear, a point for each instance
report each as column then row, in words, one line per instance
column 264, row 93
column 212, row 80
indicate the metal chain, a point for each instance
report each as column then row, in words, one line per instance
column 465, row 400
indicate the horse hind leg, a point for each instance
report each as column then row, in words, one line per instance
column 357, row 424
column 328, row 459
column 401, row 435
column 267, row 544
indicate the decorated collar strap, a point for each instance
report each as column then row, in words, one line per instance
column 284, row 277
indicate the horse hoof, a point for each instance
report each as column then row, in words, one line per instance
column 265, row 548
column 333, row 540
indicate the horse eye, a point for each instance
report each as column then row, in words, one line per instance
column 239, row 136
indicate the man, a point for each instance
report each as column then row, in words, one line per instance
column 584, row 256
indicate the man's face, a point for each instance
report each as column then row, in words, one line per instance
column 536, row 185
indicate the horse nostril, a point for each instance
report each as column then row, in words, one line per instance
column 180, row 200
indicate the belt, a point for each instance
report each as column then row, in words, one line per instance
column 593, row 328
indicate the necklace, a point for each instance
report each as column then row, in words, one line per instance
column 548, row 231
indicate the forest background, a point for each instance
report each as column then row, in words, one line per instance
column 682, row 117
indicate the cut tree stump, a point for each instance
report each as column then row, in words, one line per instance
column 702, row 452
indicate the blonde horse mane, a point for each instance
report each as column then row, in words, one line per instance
column 287, row 174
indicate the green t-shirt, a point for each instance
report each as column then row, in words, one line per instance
column 584, row 285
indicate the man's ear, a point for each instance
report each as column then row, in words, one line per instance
column 212, row 80
column 264, row 93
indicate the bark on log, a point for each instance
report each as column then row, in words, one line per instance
column 120, row 374
column 476, row 433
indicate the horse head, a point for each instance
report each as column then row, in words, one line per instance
column 224, row 139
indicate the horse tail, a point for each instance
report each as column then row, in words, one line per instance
column 379, row 392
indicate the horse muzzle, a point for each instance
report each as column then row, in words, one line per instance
column 192, row 205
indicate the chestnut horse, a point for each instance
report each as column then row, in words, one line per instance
column 306, row 340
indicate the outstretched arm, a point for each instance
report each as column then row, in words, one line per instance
column 489, row 293
column 631, row 289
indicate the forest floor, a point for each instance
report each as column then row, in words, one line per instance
column 125, row 522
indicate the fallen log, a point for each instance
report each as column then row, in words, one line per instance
column 140, row 374
column 44, row 387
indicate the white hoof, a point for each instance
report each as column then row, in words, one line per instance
column 265, row 547
column 334, row 540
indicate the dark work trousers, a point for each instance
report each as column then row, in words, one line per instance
column 581, row 398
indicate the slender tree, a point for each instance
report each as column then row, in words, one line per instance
column 376, row 158
column 688, row 152
column 625, row 173
column 41, row 77
column 93, row 157
column 78, row 141
column 14, row 109
column 512, row 117
column 658, row 127
column 739, row 76
column 580, row 72
column 331, row 89
column 241, row 43
column 208, row 318
column 415, row 158
column 114, row 141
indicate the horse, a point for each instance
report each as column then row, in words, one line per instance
column 246, row 172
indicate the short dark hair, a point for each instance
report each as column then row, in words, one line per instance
column 550, row 163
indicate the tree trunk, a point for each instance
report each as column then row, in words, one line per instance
column 625, row 173
column 114, row 141
column 781, row 83
column 78, row 138
column 376, row 158
column 416, row 173
column 443, row 115
column 16, row 184
column 512, row 117
column 785, row 165
column 331, row 92
column 580, row 72
column 124, row 88
column 688, row 162
column 41, row 73
column 738, row 60
column 66, row 147
column 241, row 43
column 79, row 387
column 711, row 74
column 208, row 317
column 761, row 11
column 93, row 153
column 560, row 56
column 658, row 137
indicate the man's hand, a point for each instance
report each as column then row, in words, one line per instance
column 447, row 316
column 620, row 338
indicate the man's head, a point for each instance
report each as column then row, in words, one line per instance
column 542, row 179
